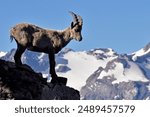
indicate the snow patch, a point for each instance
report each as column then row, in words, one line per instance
column 82, row 65
column 148, row 87
column 139, row 53
column 121, row 74
column 2, row 54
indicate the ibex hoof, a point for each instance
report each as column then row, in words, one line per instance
column 18, row 64
column 59, row 80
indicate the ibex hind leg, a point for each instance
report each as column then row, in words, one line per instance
column 52, row 66
column 19, row 52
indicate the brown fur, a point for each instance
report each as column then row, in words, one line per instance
column 34, row 38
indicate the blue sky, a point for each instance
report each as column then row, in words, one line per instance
column 123, row 25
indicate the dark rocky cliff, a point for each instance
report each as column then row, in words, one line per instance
column 22, row 83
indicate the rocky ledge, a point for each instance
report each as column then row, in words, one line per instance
column 22, row 83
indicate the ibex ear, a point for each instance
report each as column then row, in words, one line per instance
column 72, row 25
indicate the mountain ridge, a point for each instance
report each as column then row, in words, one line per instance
column 101, row 64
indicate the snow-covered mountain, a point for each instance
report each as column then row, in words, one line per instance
column 124, row 77
column 2, row 54
column 98, row 73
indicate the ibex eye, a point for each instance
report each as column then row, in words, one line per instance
column 77, row 30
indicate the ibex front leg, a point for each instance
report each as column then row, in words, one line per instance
column 17, row 56
column 52, row 66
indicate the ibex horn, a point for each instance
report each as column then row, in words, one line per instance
column 80, row 19
column 75, row 17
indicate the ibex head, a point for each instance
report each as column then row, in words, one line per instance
column 76, row 27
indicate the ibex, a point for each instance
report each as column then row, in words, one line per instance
column 34, row 38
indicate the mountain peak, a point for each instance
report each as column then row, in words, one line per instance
column 147, row 47
column 141, row 53
column 65, row 50
column 2, row 54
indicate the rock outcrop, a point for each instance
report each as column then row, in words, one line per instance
column 22, row 83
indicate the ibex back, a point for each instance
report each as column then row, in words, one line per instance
column 34, row 38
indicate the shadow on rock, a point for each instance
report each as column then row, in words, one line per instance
column 22, row 83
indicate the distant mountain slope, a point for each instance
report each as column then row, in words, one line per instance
column 98, row 73
column 76, row 66
column 125, row 77
column 2, row 54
